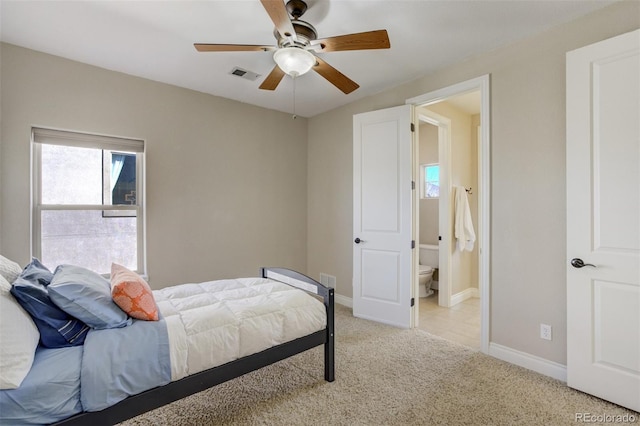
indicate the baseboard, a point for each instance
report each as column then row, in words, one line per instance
column 464, row 295
column 528, row 361
column 343, row 300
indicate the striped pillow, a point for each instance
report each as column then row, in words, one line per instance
column 57, row 328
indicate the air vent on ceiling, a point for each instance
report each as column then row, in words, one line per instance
column 249, row 75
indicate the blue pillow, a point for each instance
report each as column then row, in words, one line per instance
column 86, row 295
column 36, row 272
column 57, row 328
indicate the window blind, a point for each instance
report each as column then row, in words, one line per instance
column 84, row 140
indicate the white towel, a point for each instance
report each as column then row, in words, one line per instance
column 464, row 233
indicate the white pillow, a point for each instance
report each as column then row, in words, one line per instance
column 18, row 339
column 9, row 269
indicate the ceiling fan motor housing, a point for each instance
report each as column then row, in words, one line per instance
column 305, row 33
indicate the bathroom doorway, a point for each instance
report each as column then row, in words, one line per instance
column 450, row 137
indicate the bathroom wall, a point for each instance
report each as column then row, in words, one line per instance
column 429, row 214
column 464, row 171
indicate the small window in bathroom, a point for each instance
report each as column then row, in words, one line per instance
column 430, row 181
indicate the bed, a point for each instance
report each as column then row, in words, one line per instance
column 119, row 374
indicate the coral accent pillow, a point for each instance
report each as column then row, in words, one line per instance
column 132, row 294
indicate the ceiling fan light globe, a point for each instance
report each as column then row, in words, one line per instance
column 294, row 61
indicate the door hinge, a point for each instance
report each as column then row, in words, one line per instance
column 413, row 127
column 413, row 184
column 413, row 244
column 439, row 237
column 413, row 301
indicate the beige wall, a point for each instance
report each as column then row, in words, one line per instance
column 226, row 182
column 528, row 250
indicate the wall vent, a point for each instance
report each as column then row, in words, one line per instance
column 248, row 75
column 328, row 280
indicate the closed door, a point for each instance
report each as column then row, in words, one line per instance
column 382, row 216
column 603, row 219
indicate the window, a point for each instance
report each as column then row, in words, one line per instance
column 88, row 200
column 430, row 181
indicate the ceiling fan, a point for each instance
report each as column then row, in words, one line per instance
column 296, row 42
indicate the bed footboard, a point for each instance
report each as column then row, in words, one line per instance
column 303, row 282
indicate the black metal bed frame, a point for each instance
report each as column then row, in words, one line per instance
column 162, row 395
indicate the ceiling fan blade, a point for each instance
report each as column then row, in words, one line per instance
column 335, row 77
column 278, row 13
column 207, row 47
column 273, row 79
column 378, row 39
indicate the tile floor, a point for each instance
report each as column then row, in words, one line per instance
column 460, row 323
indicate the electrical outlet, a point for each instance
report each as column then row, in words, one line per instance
column 545, row 331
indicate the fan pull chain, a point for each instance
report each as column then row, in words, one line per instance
column 294, row 98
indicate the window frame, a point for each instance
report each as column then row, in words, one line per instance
column 44, row 136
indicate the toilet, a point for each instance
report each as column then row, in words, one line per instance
column 425, row 278
column 429, row 261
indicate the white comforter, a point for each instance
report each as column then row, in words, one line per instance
column 215, row 322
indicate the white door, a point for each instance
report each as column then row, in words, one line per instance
column 603, row 219
column 382, row 216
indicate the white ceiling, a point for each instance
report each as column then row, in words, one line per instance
column 154, row 40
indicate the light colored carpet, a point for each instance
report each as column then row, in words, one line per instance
column 385, row 376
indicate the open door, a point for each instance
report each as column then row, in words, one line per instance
column 603, row 220
column 383, row 248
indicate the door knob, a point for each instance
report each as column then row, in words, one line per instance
column 358, row 241
column 578, row 263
